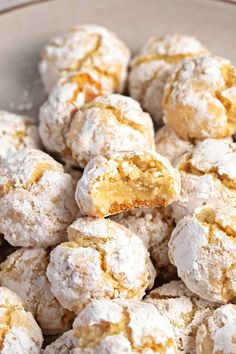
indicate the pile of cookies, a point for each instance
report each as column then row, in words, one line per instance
column 120, row 211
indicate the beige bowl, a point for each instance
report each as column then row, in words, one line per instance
column 24, row 30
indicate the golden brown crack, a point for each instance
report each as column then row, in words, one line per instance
column 229, row 74
column 189, row 168
column 207, row 344
column 208, row 218
column 114, row 77
column 85, row 84
column 115, row 280
column 38, row 173
column 6, row 320
column 92, row 336
column 88, row 55
column 117, row 114
column 170, row 59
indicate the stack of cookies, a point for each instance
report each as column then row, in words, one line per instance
column 121, row 209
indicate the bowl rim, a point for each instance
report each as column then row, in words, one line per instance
column 38, row 2
column 23, row 5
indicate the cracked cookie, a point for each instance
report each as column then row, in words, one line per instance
column 24, row 272
column 199, row 100
column 85, row 47
column 19, row 332
column 101, row 260
column 208, row 176
column 218, row 332
column 118, row 326
column 16, row 133
column 202, row 247
column 123, row 181
column 151, row 68
column 185, row 311
column 36, row 200
column 55, row 115
column 110, row 123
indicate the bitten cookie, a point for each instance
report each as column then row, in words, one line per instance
column 36, row 200
column 154, row 227
column 85, row 47
column 218, row 332
column 202, row 247
column 101, row 260
column 55, row 115
column 183, row 309
column 199, row 101
column 19, row 332
column 123, row 181
column 24, row 272
column 16, row 133
column 110, row 123
column 151, row 68
column 208, row 176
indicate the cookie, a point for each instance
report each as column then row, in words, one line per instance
column 101, row 260
column 123, row 181
column 24, row 272
column 110, row 123
column 85, row 47
column 36, row 200
column 19, row 332
column 199, row 100
column 151, row 68
column 202, row 247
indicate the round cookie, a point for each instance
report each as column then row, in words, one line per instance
column 154, row 227
column 218, row 332
column 85, row 47
column 101, row 260
column 203, row 248
column 124, row 181
column 208, row 176
column 110, row 123
column 183, row 309
column 151, row 68
column 36, row 200
column 119, row 327
column 55, row 115
column 24, row 272
column 19, row 332
column 16, row 133
column 199, row 100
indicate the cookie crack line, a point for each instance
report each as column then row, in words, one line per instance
column 36, row 176
column 189, row 168
column 117, row 114
column 168, row 58
column 92, row 336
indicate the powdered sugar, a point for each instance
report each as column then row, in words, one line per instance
column 103, row 260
